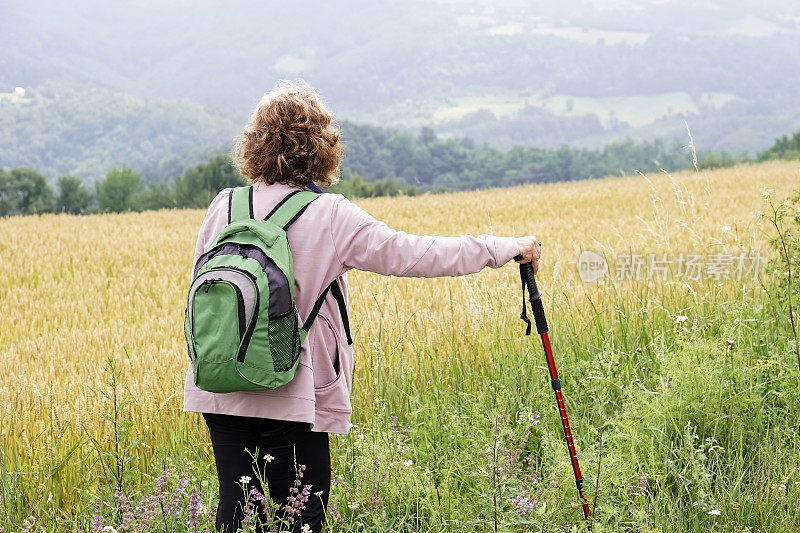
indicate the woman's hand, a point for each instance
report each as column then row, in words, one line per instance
column 530, row 251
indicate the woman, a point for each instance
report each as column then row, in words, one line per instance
column 291, row 143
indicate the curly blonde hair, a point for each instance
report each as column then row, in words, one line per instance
column 291, row 138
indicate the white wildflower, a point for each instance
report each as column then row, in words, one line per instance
column 109, row 529
column 408, row 462
column 319, row 494
column 245, row 479
column 715, row 512
column 268, row 458
column 681, row 318
column 726, row 229
column 306, row 529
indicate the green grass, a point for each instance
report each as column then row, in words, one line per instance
column 688, row 422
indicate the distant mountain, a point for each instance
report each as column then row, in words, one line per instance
column 579, row 72
column 88, row 132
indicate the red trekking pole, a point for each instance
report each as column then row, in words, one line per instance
column 528, row 280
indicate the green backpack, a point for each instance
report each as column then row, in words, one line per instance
column 241, row 325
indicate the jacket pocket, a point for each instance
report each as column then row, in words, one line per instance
column 325, row 360
column 331, row 391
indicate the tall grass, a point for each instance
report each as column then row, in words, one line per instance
column 696, row 418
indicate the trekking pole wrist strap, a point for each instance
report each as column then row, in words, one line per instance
column 529, row 283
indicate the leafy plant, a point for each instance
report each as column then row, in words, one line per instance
column 784, row 216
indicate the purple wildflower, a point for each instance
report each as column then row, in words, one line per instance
column 173, row 504
column 294, row 502
column 532, row 478
column 249, row 515
column 256, row 496
column 97, row 522
column 127, row 511
column 304, row 496
column 251, row 511
column 150, row 507
column 334, row 513
column 349, row 492
column 375, row 500
column 194, row 510
column 523, row 504
column 397, row 434
column 528, row 500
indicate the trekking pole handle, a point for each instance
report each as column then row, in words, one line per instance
column 534, row 296
column 530, row 281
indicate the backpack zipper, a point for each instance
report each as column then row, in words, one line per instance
column 248, row 334
column 240, row 309
column 244, row 334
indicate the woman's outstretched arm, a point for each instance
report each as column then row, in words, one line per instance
column 364, row 243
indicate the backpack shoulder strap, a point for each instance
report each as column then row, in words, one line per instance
column 240, row 204
column 334, row 289
column 290, row 208
column 284, row 214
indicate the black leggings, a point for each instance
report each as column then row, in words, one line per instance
column 236, row 439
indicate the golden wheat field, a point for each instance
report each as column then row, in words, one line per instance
column 78, row 289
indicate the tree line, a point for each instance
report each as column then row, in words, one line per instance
column 24, row 191
column 432, row 162
column 785, row 147
column 398, row 163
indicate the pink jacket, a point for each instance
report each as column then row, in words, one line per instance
column 332, row 236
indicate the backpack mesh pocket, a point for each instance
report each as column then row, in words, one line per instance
column 284, row 341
